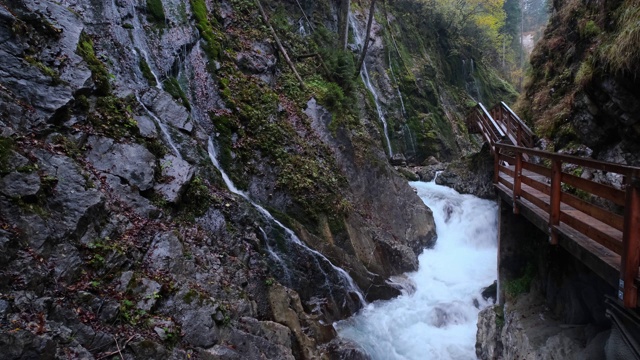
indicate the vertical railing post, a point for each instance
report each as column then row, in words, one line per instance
column 496, row 164
column 517, row 189
column 556, row 189
column 519, row 135
column 628, row 291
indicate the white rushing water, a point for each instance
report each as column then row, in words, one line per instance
column 364, row 73
column 439, row 320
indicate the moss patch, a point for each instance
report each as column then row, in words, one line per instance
column 99, row 73
column 172, row 86
column 155, row 11
column 146, row 72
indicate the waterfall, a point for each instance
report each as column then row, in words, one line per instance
column 318, row 257
column 364, row 73
column 438, row 321
column 393, row 76
column 407, row 133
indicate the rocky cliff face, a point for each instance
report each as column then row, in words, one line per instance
column 118, row 237
column 583, row 90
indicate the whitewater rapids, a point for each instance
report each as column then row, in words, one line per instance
column 438, row 320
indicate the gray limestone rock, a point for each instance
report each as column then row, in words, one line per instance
column 165, row 253
column 177, row 173
column 148, row 291
column 17, row 184
column 167, row 109
column 130, row 197
column 131, row 162
column 146, row 126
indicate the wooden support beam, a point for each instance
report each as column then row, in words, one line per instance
column 556, row 189
column 628, row 291
column 517, row 181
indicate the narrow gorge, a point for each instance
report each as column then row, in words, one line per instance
column 295, row 179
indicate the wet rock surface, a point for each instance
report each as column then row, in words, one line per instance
column 111, row 245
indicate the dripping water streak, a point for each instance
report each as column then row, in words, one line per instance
column 393, row 75
column 291, row 235
column 162, row 126
column 364, row 73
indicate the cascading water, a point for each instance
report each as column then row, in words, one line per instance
column 317, row 257
column 438, row 321
column 364, row 73
column 393, row 76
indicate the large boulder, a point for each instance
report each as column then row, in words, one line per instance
column 133, row 163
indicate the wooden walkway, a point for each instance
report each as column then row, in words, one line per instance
column 596, row 222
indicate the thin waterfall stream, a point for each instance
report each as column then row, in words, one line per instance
column 345, row 278
column 364, row 74
column 438, row 320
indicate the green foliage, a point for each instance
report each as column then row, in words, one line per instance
column 522, row 284
column 197, row 199
column 155, row 11
column 146, row 72
column 128, row 26
column 172, row 86
column 6, row 146
column 328, row 94
column 621, row 53
column 584, row 73
column 589, row 29
column 99, row 73
column 113, row 116
column 206, row 27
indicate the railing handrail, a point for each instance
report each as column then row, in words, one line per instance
column 517, row 118
column 627, row 170
column 501, row 133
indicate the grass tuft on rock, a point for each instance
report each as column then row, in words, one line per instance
column 99, row 73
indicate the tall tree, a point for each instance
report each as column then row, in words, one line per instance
column 343, row 23
column 365, row 41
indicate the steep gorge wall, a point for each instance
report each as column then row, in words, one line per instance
column 582, row 90
column 117, row 234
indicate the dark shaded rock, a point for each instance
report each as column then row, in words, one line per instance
column 343, row 349
column 490, row 292
column 17, row 184
column 259, row 60
column 130, row 196
column 148, row 350
column 68, row 264
column 176, row 173
column 471, row 175
column 199, row 328
column 131, row 162
column 165, row 107
column 398, row 160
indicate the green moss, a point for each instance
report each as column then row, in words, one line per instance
column 146, row 72
column 99, row 72
column 522, row 284
column 589, row 29
column 155, row 11
column 172, row 86
column 212, row 39
column 128, row 26
column 197, row 199
column 113, row 117
column 53, row 74
column 6, row 147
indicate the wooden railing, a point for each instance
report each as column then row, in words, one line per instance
column 515, row 129
column 553, row 188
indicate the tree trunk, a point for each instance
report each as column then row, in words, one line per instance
column 280, row 47
column 343, row 31
column 365, row 45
